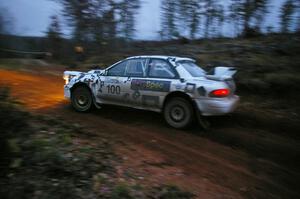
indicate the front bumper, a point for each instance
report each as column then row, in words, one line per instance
column 217, row 106
column 67, row 92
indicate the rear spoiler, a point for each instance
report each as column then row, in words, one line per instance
column 221, row 73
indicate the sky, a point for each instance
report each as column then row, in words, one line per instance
column 32, row 17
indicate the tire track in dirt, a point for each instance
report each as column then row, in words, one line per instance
column 220, row 164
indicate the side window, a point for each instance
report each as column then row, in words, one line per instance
column 118, row 70
column 136, row 68
column 161, row 69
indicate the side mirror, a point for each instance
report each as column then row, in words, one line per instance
column 105, row 72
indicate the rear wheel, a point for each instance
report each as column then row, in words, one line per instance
column 81, row 98
column 178, row 113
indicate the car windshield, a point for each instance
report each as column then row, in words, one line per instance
column 192, row 68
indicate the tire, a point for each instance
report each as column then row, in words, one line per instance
column 178, row 113
column 81, row 98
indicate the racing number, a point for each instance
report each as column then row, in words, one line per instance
column 112, row 89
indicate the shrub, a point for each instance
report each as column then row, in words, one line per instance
column 284, row 83
column 13, row 123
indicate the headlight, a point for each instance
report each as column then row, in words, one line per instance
column 66, row 78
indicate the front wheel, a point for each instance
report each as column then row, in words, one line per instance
column 178, row 113
column 81, row 98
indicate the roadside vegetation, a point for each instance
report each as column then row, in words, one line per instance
column 44, row 157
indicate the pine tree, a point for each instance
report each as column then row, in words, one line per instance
column 110, row 23
column 5, row 21
column 287, row 11
column 79, row 16
column 235, row 16
column 214, row 15
column 189, row 15
column 219, row 19
column 54, row 37
column 128, row 10
column 101, row 21
column 168, row 19
column 243, row 12
column 260, row 11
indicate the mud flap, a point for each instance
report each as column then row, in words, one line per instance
column 202, row 121
column 95, row 103
column 97, row 106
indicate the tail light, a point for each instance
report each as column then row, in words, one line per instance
column 220, row 93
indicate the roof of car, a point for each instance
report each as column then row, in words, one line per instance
column 173, row 58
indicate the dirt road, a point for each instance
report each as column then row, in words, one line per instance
column 200, row 162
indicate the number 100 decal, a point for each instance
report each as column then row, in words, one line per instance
column 112, row 89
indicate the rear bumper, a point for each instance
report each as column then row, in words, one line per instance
column 67, row 92
column 217, row 106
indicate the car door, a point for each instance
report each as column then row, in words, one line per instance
column 116, row 86
column 112, row 84
column 157, row 85
column 136, row 70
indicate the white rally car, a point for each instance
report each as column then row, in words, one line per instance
column 175, row 86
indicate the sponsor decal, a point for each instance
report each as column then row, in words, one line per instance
column 136, row 95
column 112, row 81
column 101, row 86
column 127, row 80
column 150, row 85
column 112, row 89
column 126, row 96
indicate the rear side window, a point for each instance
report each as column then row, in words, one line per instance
column 192, row 68
column 136, row 68
column 161, row 69
column 118, row 70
